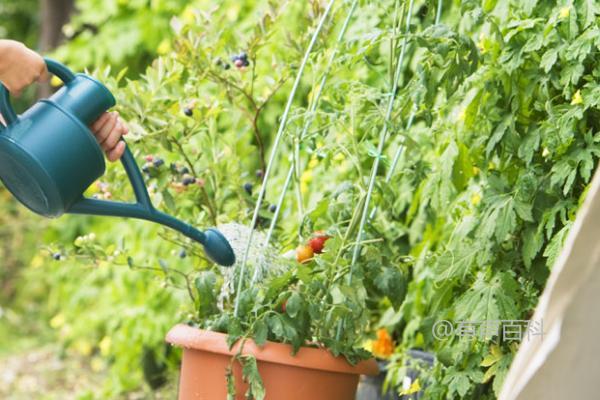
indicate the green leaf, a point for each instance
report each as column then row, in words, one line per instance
column 549, row 59
column 261, row 331
column 206, row 286
column 456, row 262
column 293, row 305
column 498, row 134
column 533, row 240
column 489, row 300
column 168, row 199
column 256, row 389
column 556, row 244
column 337, row 296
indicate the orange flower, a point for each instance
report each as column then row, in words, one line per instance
column 383, row 346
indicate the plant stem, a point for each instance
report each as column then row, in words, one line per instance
column 211, row 208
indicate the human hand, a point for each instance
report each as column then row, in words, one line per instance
column 20, row 66
column 108, row 130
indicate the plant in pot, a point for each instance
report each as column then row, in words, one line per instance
column 283, row 328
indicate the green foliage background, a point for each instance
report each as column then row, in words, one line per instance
column 504, row 141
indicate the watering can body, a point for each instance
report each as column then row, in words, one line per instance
column 49, row 157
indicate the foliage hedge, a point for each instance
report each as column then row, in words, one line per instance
column 497, row 116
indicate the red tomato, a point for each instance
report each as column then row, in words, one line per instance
column 317, row 243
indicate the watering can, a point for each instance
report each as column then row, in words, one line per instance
column 49, row 157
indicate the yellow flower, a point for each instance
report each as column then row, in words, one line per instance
column 313, row 162
column 188, row 15
column 83, row 347
column 97, row 364
column 105, row 345
column 564, row 12
column 481, row 43
column 164, row 47
column 475, row 199
column 383, row 346
column 305, row 180
column 55, row 81
column 476, row 171
column 57, row 321
column 577, row 99
column 339, row 157
column 413, row 388
column 37, row 261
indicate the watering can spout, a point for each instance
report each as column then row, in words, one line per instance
column 216, row 246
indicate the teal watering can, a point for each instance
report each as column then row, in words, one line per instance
column 49, row 157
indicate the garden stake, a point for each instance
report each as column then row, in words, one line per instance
column 278, row 137
column 411, row 118
column 307, row 124
column 375, row 167
column 49, row 157
column 382, row 139
column 310, row 117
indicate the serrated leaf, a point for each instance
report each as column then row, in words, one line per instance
column 293, row 305
column 556, row 244
column 261, row 331
column 533, row 240
column 256, row 389
column 491, row 300
column 549, row 59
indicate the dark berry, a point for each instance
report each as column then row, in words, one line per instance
column 158, row 162
column 234, row 58
column 182, row 254
column 146, row 169
column 188, row 111
column 259, row 173
column 226, row 66
column 243, row 56
column 184, row 170
column 56, row 256
column 245, row 63
column 219, row 62
column 273, row 208
column 173, row 168
column 248, row 187
column 188, row 180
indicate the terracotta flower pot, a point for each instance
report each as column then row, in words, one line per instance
column 312, row 373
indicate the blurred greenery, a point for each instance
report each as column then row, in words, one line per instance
column 505, row 137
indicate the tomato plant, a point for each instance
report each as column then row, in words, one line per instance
column 443, row 150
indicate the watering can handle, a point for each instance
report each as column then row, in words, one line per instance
column 58, row 69
column 142, row 209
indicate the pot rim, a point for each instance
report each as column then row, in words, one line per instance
column 277, row 353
